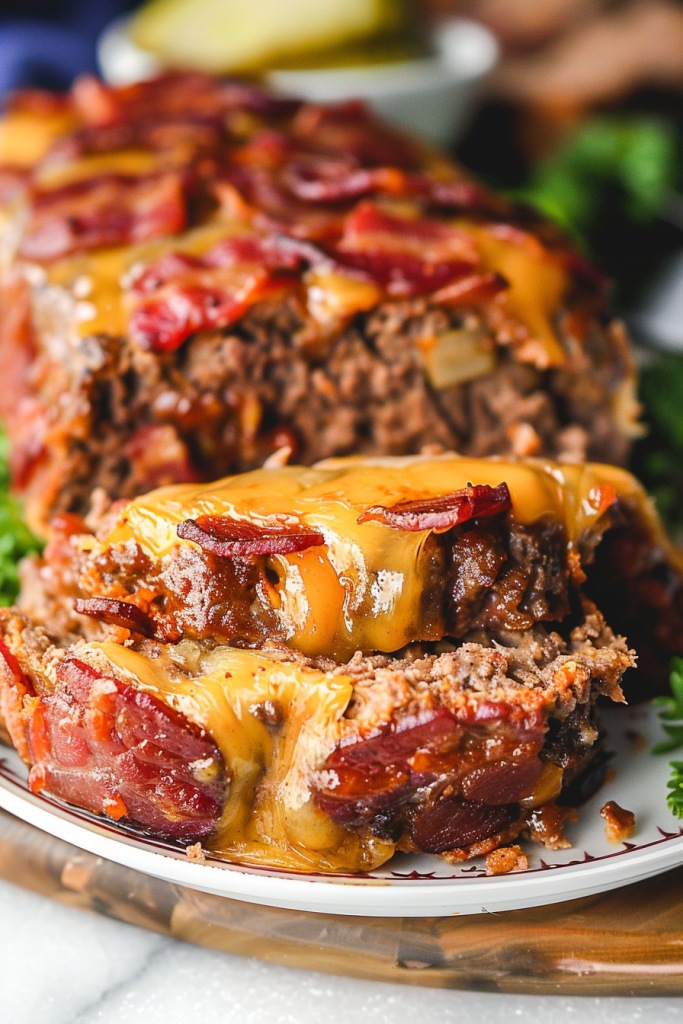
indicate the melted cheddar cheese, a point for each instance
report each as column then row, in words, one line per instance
column 270, row 816
column 538, row 284
column 25, row 137
column 365, row 587
column 109, row 273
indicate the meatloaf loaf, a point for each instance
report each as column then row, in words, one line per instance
column 196, row 273
column 314, row 667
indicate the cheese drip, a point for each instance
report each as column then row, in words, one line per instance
column 270, row 816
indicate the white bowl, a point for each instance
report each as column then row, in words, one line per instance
column 432, row 97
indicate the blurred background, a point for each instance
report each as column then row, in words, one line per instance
column 575, row 106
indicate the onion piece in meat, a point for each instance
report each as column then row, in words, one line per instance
column 458, row 356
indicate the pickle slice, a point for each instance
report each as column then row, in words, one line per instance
column 250, row 35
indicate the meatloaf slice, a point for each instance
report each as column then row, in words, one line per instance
column 267, row 757
column 370, row 555
column 198, row 274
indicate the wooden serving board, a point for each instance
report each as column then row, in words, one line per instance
column 629, row 941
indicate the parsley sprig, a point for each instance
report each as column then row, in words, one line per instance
column 671, row 717
column 674, row 797
column 672, row 714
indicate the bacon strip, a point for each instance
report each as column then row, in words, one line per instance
column 274, row 253
column 405, row 255
column 105, row 210
column 466, row 195
column 320, row 178
column 368, row 226
column 182, row 294
column 383, row 772
column 471, row 289
column 174, row 94
column 350, row 128
column 259, row 195
column 116, row 613
column 449, row 821
column 203, row 302
column 238, row 538
column 444, row 512
column 113, row 748
column 402, row 274
column 325, row 179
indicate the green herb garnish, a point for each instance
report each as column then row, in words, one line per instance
column 671, row 717
column 674, row 797
column 16, row 540
column 635, row 153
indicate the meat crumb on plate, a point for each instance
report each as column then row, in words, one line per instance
column 507, row 858
column 619, row 823
column 195, row 852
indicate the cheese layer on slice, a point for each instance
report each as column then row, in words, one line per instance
column 369, row 586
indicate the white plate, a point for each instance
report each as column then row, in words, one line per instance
column 412, row 885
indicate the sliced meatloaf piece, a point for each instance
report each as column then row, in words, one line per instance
column 197, row 273
column 371, row 555
column 270, row 758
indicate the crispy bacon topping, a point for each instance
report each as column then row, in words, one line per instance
column 351, row 128
column 95, row 102
column 238, row 538
column 178, row 140
column 168, row 267
column 266, row 149
column 163, row 323
column 116, row 613
column 108, row 746
column 103, row 211
column 274, row 253
column 444, row 512
column 175, row 94
column 472, row 289
column 315, row 178
column 200, row 301
column 263, row 197
column 182, row 294
column 318, row 178
column 406, row 255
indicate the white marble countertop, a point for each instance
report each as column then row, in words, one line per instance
column 63, row 966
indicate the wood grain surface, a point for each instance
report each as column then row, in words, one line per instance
column 628, row 941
